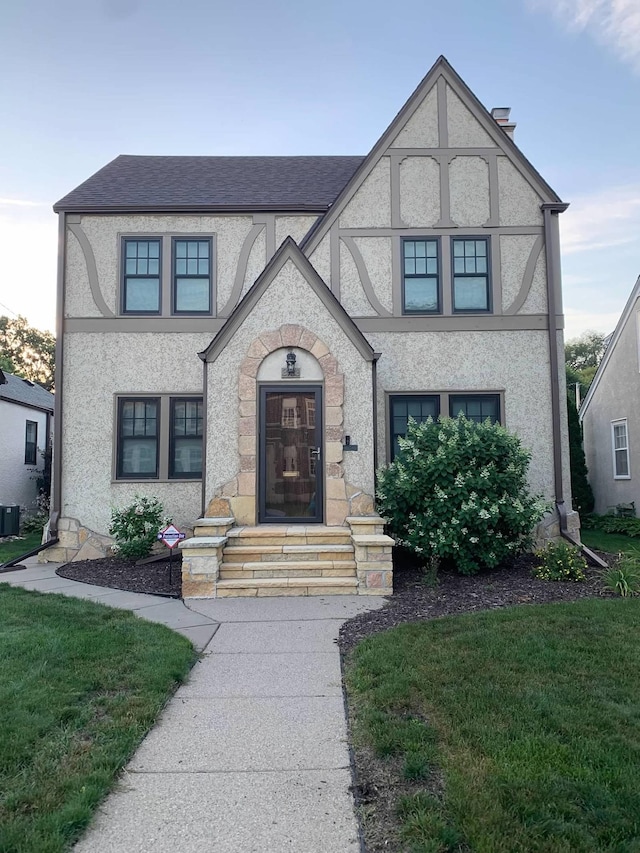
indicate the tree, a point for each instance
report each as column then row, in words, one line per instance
column 582, row 356
column 580, row 488
column 26, row 351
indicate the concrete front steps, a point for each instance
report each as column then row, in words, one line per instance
column 288, row 560
column 223, row 560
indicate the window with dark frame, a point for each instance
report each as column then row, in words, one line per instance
column 138, row 434
column 420, row 276
column 141, row 276
column 31, row 443
column 416, row 406
column 185, row 440
column 470, row 261
column 620, row 439
column 475, row 407
column 191, row 276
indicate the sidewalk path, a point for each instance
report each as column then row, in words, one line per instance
column 251, row 755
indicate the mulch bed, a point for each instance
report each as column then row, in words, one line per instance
column 414, row 599
column 379, row 782
column 117, row 573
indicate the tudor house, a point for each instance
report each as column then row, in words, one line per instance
column 246, row 337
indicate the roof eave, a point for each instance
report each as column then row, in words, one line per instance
column 190, row 208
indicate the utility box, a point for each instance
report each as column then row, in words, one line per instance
column 9, row 520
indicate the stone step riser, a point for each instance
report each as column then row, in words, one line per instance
column 282, row 541
column 233, row 555
column 281, row 591
column 249, row 574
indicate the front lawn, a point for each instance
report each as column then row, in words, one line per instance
column 80, row 685
column 10, row 549
column 510, row 731
column 613, row 543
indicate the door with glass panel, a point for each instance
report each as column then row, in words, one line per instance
column 290, row 481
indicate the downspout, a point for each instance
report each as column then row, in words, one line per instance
column 56, row 492
column 552, row 258
column 374, row 385
column 205, row 388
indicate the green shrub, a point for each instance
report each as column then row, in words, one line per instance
column 624, row 577
column 560, row 562
column 612, row 524
column 457, row 490
column 136, row 527
column 34, row 523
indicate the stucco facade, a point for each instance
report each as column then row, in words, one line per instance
column 329, row 288
column 614, row 401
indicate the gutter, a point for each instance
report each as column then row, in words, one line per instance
column 552, row 258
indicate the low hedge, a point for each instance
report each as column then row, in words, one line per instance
column 612, row 524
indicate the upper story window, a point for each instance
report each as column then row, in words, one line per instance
column 471, row 274
column 141, row 292
column 191, row 276
column 31, row 443
column 620, row 441
column 167, row 276
column 421, row 276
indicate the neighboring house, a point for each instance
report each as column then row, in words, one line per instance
column 26, row 426
column 246, row 337
column 610, row 415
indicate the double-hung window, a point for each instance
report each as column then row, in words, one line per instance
column 470, row 261
column 138, row 431
column 31, row 443
column 421, row 276
column 191, row 276
column 475, row 407
column 185, row 444
column 620, row 442
column 141, row 290
column 159, row 438
column 405, row 406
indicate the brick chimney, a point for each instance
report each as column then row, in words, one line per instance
column 501, row 117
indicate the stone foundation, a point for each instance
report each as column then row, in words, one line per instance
column 548, row 530
column 76, row 543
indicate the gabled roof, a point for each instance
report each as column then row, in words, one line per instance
column 440, row 68
column 288, row 251
column 15, row 389
column 613, row 340
column 137, row 183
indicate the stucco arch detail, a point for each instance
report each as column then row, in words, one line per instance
column 292, row 335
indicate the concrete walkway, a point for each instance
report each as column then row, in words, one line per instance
column 251, row 754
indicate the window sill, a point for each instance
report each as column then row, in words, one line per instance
column 121, row 481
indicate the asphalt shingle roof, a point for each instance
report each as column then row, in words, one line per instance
column 132, row 182
column 15, row 389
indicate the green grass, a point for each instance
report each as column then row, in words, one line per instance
column 531, row 715
column 80, row 685
column 17, row 547
column 613, row 543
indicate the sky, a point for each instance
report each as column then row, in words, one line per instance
column 82, row 81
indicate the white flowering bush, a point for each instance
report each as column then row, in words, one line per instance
column 457, row 491
column 136, row 527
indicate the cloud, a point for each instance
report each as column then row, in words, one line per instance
column 615, row 23
column 608, row 218
column 18, row 202
column 577, row 323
